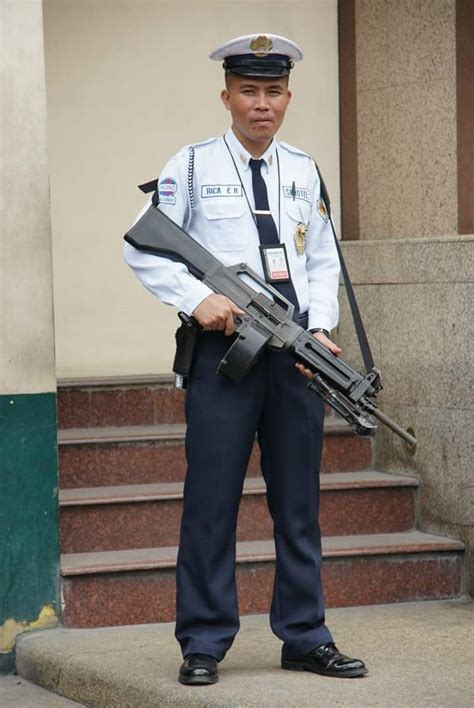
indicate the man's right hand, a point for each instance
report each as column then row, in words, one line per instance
column 217, row 312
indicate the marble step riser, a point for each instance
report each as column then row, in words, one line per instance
column 108, row 527
column 103, row 407
column 149, row 596
column 148, row 462
column 113, row 407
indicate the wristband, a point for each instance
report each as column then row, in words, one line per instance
column 320, row 329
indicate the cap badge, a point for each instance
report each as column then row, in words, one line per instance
column 261, row 45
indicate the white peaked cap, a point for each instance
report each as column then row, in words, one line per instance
column 258, row 55
column 261, row 45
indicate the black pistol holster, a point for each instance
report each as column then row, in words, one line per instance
column 186, row 337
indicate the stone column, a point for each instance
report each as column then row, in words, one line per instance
column 411, row 267
column 29, row 549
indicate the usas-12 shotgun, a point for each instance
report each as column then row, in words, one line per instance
column 267, row 323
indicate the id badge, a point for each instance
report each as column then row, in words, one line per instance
column 275, row 263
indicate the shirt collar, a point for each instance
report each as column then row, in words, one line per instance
column 242, row 156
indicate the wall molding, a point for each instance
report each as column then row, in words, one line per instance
column 348, row 120
column 465, row 114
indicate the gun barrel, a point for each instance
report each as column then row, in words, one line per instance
column 410, row 439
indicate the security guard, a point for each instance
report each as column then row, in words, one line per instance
column 248, row 198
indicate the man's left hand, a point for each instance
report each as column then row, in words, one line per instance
column 321, row 337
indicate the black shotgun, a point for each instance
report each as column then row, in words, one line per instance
column 267, row 323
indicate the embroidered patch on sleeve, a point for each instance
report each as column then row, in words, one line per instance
column 321, row 208
column 167, row 189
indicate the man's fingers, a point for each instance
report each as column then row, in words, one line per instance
column 236, row 310
column 303, row 370
column 229, row 324
column 217, row 312
column 334, row 348
column 328, row 343
column 230, row 321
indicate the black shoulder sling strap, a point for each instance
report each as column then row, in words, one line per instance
column 356, row 316
column 151, row 186
column 148, row 187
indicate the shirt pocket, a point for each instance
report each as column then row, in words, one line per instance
column 298, row 210
column 228, row 224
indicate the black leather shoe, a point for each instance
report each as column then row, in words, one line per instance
column 198, row 670
column 326, row 660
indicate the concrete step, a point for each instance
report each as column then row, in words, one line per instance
column 136, row 667
column 138, row 586
column 15, row 692
column 147, row 454
column 137, row 516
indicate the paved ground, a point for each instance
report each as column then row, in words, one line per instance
column 15, row 692
column 419, row 654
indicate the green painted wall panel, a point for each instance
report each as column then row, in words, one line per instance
column 29, row 535
column 7, row 663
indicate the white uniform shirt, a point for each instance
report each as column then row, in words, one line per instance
column 209, row 196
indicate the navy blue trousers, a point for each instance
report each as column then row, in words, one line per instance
column 222, row 418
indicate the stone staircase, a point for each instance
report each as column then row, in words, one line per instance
column 122, row 466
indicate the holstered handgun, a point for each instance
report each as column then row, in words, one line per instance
column 186, row 337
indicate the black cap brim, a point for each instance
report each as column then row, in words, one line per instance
column 269, row 67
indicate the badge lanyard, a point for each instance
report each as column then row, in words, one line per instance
column 274, row 257
column 245, row 191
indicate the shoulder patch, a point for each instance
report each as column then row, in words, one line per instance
column 294, row 150
column 167, row 189
column 322, row 211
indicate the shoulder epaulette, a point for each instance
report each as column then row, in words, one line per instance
column 186, row 149
column 295, row 150
column 202, row 143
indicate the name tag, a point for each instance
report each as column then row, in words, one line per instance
column 275, row 263
column 295, row 192
column 221, row 190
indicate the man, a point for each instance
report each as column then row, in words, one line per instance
column 248, row 198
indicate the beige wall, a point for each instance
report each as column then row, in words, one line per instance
column 26, row 297
column 129, row 83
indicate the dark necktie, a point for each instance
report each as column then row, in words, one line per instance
column 267, row 230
